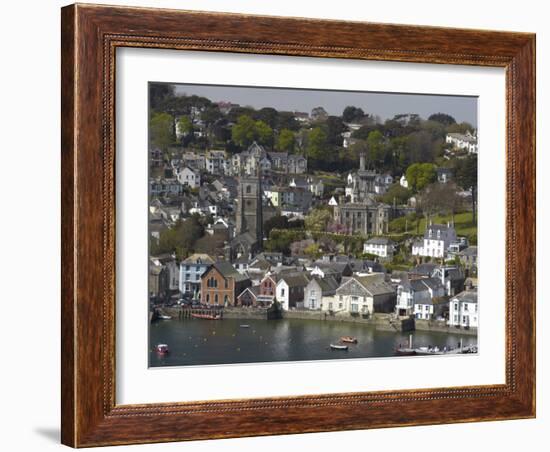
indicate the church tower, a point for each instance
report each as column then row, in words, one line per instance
column 249, row 205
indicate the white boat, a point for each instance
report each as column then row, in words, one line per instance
column 338, row 347
column 165, row 317
column 244, row 326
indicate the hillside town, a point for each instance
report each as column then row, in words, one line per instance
column 346, row 218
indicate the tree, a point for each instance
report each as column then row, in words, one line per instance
column 319, row 114
column 352, row 114
column 159, row 93
column 286, row 140
column 243, row 132
column 263, row 133
column 419, row 175
column 466, row 177
column 442, row 118
column 396, row 193
column 463, row 127
column 276, row 222
column 268, row 115
column 376, row 148
column 317, row 144
column 335, row 127
column 181, row 238
column 440, row 199
column 161, row 130
column 318, row 219
column 313, row 251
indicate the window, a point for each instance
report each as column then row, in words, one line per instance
column 208, row 298
column 465, row 306
column 248, row 189
column 354, row 307
column 340, row 305
column 330, row 305
column 225, row 299
column 226, row 284
column 216, row 299
column 282, row 291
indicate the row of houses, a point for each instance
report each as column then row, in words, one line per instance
column 427, row 292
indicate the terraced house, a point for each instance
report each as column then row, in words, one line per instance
column 221, row 284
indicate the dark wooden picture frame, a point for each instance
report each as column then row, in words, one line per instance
column 90, row 37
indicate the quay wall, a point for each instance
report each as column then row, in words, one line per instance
column 434, row 325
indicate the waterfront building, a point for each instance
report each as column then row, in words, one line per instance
column 319, row 291
column 416, row 296
column 364, row 295
column 221, row 284
column 169, row 263
column 249, row 297
column 191, row 270
column 290, row 290
column 463, row 310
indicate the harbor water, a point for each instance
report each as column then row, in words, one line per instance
column 231, row 341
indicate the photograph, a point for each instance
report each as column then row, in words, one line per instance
column 298, row 224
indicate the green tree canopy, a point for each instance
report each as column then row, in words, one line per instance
column 419, row 175
column 161, row 129
column 442, row 118
column 396, row 193
column 318, row 219
column 352, row 114
column 317, row 145
column 286, row 140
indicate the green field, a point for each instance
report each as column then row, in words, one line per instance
column 463, row 223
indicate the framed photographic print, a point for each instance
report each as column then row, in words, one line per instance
column 280, row 225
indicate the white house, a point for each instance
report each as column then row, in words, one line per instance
column 415, row 297
column 363, row 295
column 379, row 246
column 467, row 141
column 463, row 310
column 290, row 290
column 191, row 270
column 320, row 291
column 189, row 177
column 437, row 239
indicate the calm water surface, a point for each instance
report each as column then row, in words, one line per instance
column 198, row 342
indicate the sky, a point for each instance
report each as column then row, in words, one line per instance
column 385, row 105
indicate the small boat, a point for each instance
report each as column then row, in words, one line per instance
column 338, row 347
column 162, row 349
column 244, row 326
column 206, row 316
column 165, row 317
column 348, row 339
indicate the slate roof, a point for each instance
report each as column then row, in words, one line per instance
column 468, row 296
column 228, row 271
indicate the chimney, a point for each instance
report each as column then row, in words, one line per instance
column 362, row 162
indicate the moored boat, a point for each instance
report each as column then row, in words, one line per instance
column 206, row 316
column 162, row 349
column 348, row 339
column 165, row 317
column 338, row 347
column 244, row 326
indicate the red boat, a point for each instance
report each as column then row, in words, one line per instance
column 162, row 349
column 207, row 316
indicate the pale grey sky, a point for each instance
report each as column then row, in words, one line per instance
column 386, row 105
